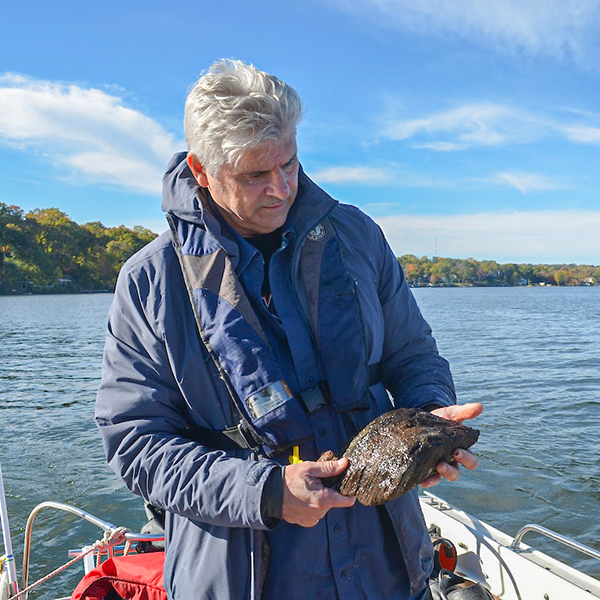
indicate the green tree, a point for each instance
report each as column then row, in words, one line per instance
column 45, row 245
column 488, row 270
column 465, row 270
column 413, row 268
column 13, row 229
column 65, row 243
column 441, row 270
column 16, row 244
column 526, row 272
column 562, row 276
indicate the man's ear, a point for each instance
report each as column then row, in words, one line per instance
column 197, row 170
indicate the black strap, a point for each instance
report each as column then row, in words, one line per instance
column 316, row 397
column 232, row 438
column 240, row 437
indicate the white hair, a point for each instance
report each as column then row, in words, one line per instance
column 233, row 108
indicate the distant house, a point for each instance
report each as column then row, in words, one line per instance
column 63, row 282
column 522, row 281
column 588, row 281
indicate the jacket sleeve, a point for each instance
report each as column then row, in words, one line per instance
column 413, row 370
column 140, row 412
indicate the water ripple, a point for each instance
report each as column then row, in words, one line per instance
column 530, row 355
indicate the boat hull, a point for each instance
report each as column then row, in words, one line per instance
column 485, row 555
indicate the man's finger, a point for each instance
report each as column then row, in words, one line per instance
column 431, row 481
column 467, row 459
column 327, row 468
column 336, row 500
column 448, row 471
column 451, row 472
column 459, row 412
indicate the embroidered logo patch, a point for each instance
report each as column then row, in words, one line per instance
column 318, row 233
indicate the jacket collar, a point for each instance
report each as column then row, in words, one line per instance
column 183, row 197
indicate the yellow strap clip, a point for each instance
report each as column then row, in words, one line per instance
column 295, row 457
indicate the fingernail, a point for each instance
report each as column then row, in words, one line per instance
column 457, row 454
column 340, row 461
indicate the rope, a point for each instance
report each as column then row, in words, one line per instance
column 112, row 537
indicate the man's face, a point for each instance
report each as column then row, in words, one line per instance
column 255, row 198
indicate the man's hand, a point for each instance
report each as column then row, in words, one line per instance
column 451, row 472
column 305, row 499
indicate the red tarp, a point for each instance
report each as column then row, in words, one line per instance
column 134, row 577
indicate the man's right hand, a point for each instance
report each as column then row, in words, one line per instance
column 305, row 499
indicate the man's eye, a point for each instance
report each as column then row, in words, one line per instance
column 290, row 166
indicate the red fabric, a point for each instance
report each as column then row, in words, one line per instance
column 134, row 577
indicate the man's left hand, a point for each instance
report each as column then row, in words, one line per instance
column 451, row 472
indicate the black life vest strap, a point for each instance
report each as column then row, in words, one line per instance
column 241, row 436
column 232, row 438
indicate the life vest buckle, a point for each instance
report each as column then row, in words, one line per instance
column 246, row 434
column 314, row 398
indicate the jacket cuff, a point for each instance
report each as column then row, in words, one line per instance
column 431, row 407
column 271, row 506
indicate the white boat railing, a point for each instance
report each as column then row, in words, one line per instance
column 9, row 558
column 105, row 526
column 532, row 527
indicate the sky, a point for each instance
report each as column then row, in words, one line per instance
column 468, row 128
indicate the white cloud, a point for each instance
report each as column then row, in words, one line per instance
column 350, row 174
column 583, row 134
column 439, row 146
column 558, row 28
column 487, row 124
column 392, row 174
column 466, row 126
column 471, row 124
column 527, row 182
column 86, row 131
column 399, row 176
column 529, row 236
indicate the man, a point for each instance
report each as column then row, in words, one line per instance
column 268, row 324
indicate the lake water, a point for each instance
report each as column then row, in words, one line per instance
column 530, row 355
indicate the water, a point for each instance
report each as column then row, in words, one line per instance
column 530, row 355
column 50, row 357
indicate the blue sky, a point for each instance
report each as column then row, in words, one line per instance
column 465, row 128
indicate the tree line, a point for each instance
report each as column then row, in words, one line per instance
column 457, row 271
column 44, row 251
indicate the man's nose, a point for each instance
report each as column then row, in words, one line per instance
column 278, row 185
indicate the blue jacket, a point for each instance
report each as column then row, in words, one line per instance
column 157, row 377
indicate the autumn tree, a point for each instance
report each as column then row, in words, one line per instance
column 44, row 245
column 441, row 270
column 562, row 276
